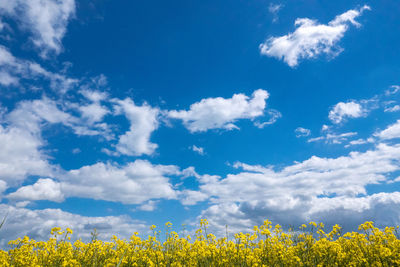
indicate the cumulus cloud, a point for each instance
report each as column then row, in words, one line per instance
column 43, row 189
column 143, row 121
column 351, row 109
column 192, row 197
column 391, row 132
column 222, row 113
column 7, row 79
column 134, row 183
column 349, row 212
column 46, row 20
column 29, row 114
column 21, row 141
column 305, row 190
column 37, row 224
column 94, row 111
column 95, row 96
column 150, row 205
column 310, row 39
column 342, row 110
column 33, row 115
column 21, row 155
column 301, row 132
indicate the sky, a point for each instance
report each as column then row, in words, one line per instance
column 117, row 115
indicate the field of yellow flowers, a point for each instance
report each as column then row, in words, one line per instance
column 265, row 246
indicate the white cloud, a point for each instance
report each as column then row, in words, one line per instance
column 94, row 95
column 21, row 143
column 332, row 138
column 360, row 142
column 272, row 115
column 150, row 205
column 325, row 128
column 93, row 113
column 76, row 150
column 301, row 132
column 7, row 79
column 198, row 150
column 311, row 38
column 37, row 224
column 43, row 189
column 135, row 183
column 222, row 113
column 3, row 187
column 343, row 110
column 192, row 197
column 46, row 20
column 312, row 189
column 21, row 155
column 143, row 120
column 393, row 90
column 58, row 81
column 33, row 115
column 2, row 25
column 274, row 9
column 349, row 212
column 13, row 70
column 391, row 132
column 30, row 114
column 393, row 108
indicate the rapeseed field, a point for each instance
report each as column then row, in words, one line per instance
column 267, row 245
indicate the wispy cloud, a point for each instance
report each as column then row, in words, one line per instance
column 13, row 70
column 46, row 20
column 393, row 90
column 274, row 10
column 302, row 132
column 394, row 108
column 198, row 150
column 332, row 138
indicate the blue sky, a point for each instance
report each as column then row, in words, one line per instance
column 117, row 115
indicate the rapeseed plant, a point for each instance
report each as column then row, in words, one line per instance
column 265, row 246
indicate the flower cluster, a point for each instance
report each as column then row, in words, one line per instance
column 267, row 245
